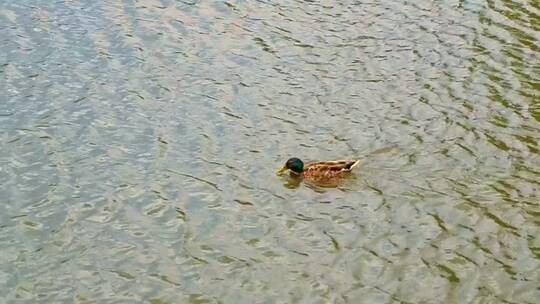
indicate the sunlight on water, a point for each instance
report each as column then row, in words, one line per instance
column 140, row 141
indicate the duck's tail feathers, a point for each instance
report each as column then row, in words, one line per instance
column 354, row 164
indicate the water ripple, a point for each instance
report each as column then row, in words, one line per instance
column 140, row 139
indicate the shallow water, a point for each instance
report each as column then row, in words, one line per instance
column 139, row 143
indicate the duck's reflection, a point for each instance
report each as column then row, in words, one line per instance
column 292, row 182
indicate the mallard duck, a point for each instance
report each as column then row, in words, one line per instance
column 322, row 171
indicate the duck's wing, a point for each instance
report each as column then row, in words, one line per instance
column 335, row 166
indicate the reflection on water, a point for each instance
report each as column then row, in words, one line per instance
column 292, row 182
column 140, row 141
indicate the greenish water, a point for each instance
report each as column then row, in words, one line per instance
column 139, row 142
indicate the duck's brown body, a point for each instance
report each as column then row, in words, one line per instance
column 328, row 170
column 322, row 172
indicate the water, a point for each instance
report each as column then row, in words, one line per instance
column 139, row 143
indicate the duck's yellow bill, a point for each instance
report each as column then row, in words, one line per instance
column 282, row 170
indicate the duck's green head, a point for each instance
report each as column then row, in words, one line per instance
column 294, row 164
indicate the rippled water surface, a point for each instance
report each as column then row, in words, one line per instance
column 139, row 142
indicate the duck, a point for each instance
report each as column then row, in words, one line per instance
column 319, row 171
